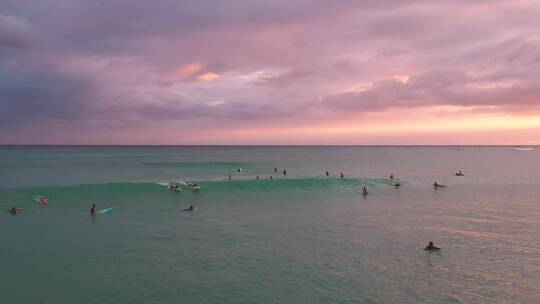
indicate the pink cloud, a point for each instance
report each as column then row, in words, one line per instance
column 238, row 65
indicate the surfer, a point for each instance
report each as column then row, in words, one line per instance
column 190, row 209
column 257, row 177
column 14, row 210
column 93, row 209
column 239, row 170
column 365, row 191
column 327, row 173
column 285, row 172
column 436, row 186
column 193, row 186
column 230, row 177
column 271, row 177
column 341, row 174
column 459, row 173
column 275, row 169
column 431, row 247
column 397, row 184
column 391, row 176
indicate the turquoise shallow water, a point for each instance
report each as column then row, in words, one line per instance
column 304, row 238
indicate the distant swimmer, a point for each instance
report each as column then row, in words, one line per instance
column 365, row 191
column 239, row 170
column 460, row 173
column 431, row 247
column 275, row 169
column 14, row 210
column 189, row 209
column 436, row 185
column 391, row 176
column 93, row 210
column 327, row 173
column 258, row 177
column 271, row 177
column 397, row 184
column 341, row 174
column 284, row 172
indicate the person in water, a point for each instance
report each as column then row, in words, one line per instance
column 435, row 185
column 258, row 177
column 397, row 184
column 365, row 191
column 459, row 173
column 284, row 172
column 275, row 169
column 14, row 210
column 391, row 176
column 327, row 173
column 431, row 247
column 271, row 177
column 93, row 209
column 189, row 209
column 341, row 174
column 230, row 177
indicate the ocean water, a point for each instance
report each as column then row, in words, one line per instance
column 300, row 238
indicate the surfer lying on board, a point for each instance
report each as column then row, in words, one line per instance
column 436, row 186
column 93, row 210
column 14, row 210
column 459, row 173
column 189, row 209
column 431, row 247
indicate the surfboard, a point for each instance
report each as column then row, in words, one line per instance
column 105, row 210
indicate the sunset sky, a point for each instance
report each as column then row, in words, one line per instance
column 269, row 72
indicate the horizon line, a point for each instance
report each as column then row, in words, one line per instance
column 265, row 145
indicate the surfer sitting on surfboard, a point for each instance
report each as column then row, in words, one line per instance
column 431, row 247
column 93, row 209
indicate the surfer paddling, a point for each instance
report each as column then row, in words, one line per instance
column 14, row 210
column 437, row 186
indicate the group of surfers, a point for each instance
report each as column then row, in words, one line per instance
column 176, row 188
column 396, row 181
